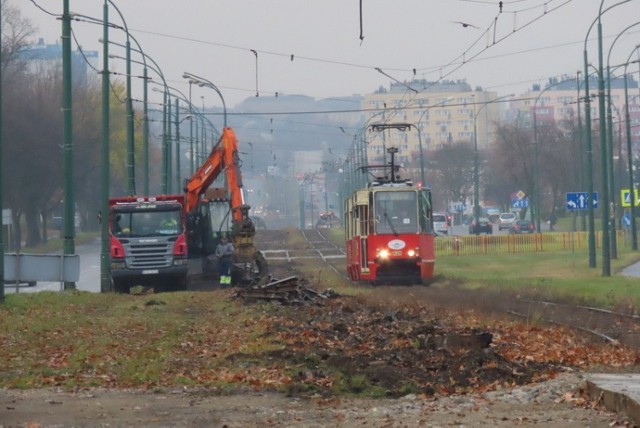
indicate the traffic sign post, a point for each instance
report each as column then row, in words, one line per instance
column 625, row 197
column 520, row 203
column 580, row 200
column 519, row 200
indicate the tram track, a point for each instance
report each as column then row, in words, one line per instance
column 609, row 325
column 327, row 250
column 605, row 324
column 316, row 245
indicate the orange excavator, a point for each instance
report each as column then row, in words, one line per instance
column 214, row 212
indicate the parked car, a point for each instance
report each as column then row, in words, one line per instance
column 484, row 225
column 505, row 220
column 440, row 224
column 522, row 226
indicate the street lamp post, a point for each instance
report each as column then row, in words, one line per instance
column 357, row 161
column 178, row 95
column 1, row 183
column 105, row 269
column 583, row 219
column 129, row 110
column 204, row 82
column 634, row 232
column 69, row 200
column 589, row 152
column 191, row 154
column 105, row 257
column 145, row 107
column 611, row 177
column 158, row 71
column 606, row 250
column 606, row 261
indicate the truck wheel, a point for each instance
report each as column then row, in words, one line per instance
column 181, row 283
column 120, row 286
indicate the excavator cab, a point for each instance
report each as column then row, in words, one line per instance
column 207, row 225
column 216, row 212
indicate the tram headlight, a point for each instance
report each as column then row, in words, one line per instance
column 411, row 253
column 383, row 253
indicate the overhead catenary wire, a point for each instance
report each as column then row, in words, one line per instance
column 443, row 71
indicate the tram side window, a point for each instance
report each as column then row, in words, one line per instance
column 363, row 217
column 424, row 207
column 348, row 218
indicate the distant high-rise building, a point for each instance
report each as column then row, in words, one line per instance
column 43, row 58
column 439, row 113
column 557, row 101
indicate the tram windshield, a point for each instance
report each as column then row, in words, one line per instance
column 396, row 212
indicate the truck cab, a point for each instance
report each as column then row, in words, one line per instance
column 148, row 245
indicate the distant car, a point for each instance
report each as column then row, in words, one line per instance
column 440, row 224
column 327, row 220
column 505, row 220
column 483, row 225
column 522, row 226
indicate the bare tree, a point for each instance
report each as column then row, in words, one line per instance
column 450, row 170
column 33, row 137
column 16, row 32
column 33, row 148
column 558, row 158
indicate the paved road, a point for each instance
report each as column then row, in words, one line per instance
column 633, row 270
column 90, row 269
column 89, row 272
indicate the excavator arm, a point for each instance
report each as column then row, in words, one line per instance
column 224, row 159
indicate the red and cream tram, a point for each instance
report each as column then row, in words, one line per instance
column 389, row 233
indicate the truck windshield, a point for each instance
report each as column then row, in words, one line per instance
column 147, row 223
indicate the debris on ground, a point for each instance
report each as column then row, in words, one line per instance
column 291, row 291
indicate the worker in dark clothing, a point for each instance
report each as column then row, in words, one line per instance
column 224, row 253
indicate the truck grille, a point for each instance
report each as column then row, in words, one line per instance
column 149, row 256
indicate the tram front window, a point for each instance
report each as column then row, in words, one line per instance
column 396, row 212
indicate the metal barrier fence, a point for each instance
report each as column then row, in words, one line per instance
column 525, row 243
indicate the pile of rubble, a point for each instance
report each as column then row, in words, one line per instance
column 290, row 291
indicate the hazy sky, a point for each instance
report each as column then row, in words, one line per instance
column 528, row 42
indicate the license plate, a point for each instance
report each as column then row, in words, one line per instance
column 150, row 271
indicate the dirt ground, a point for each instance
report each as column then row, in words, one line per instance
column 393, row 339
column 554, row 401
column 551, row 404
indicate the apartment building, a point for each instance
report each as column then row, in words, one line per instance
column 557, row 100
column 437, row 113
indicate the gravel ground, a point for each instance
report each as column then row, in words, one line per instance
column 555, row 403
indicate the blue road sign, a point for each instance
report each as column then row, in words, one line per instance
column 580, row 200
column 626, row 220
column 520, row 203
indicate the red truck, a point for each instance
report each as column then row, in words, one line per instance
column 153, row 237
column 148, row 243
